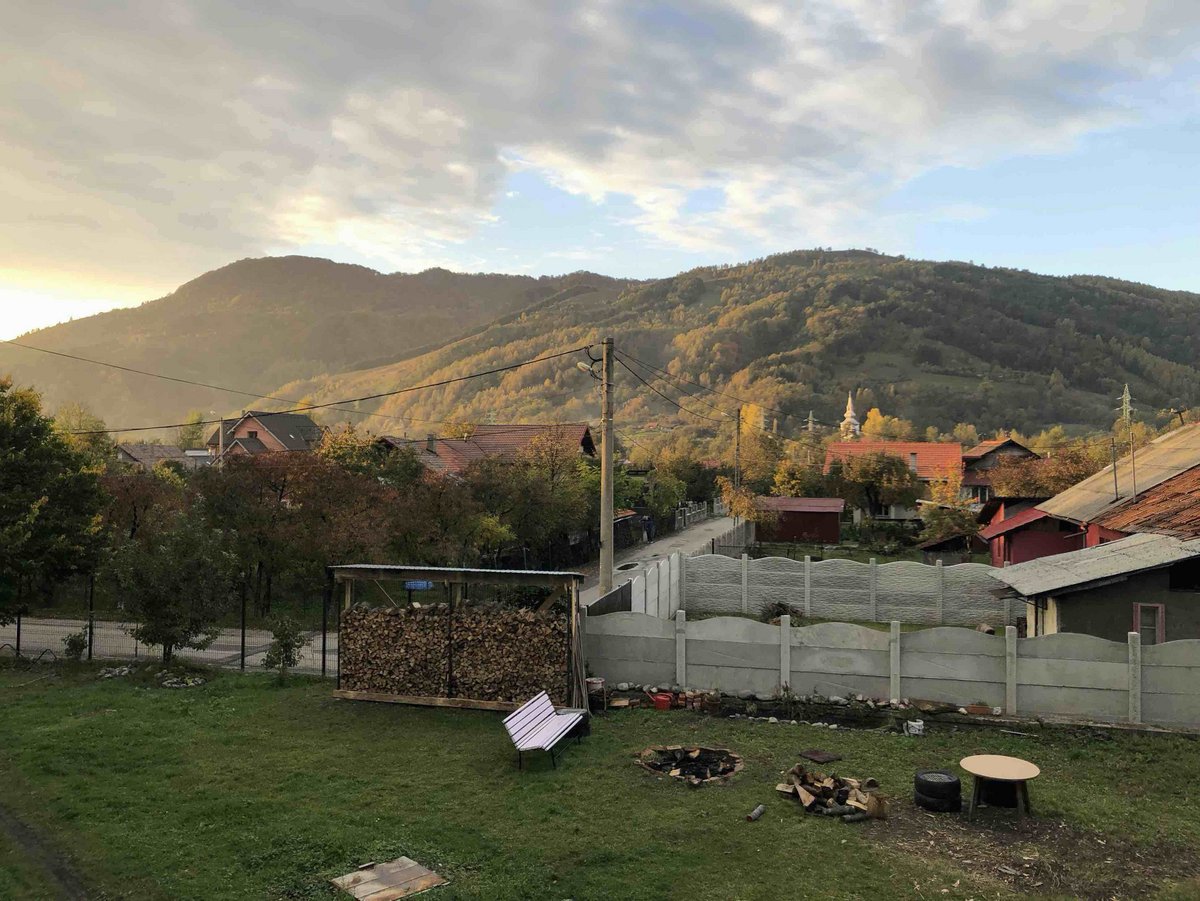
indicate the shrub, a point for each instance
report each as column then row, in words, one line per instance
column 74, row 645
column 287, row 640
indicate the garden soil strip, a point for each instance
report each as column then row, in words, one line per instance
column 56, row 869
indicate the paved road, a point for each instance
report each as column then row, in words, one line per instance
column 112, row 640
column 686, row 541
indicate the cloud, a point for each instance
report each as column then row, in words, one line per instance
column 164, row 136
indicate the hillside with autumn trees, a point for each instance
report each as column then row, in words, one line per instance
column 935, row 344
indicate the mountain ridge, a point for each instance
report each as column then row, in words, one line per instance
column 935, row 342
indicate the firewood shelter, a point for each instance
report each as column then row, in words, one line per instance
column 466, row 643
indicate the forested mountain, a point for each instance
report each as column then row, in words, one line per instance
column 936, row 343
column 258, row 323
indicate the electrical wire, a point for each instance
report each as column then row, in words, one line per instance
column 669, row 400
column 335, row 404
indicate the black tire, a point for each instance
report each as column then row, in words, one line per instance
column 941, row 784
column 937, row 805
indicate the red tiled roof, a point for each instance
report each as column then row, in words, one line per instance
column 801, row 504
column 933, row 459
column 453, row 455
column 983, row 448
column 1169, row 508
column 1004, row 526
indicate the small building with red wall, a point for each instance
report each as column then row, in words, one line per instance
column 807, row 519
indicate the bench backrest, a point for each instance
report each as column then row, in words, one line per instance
column 528, row 717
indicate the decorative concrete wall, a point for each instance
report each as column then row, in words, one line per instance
column 846, row 590
column 1064, row 675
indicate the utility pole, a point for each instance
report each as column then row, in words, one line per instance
column 1127, row 415
column 1116, row 487
column 607, row 450
column 737, row 451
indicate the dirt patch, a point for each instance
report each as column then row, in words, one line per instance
column 57, row 871
column 1034, row 856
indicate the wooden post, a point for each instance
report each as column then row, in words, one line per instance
column 894, row 653
column 785, row 652
column 745, row 583
column 807, row 586
column 1135, row 677
column 347, row 594
column 681, row 648
column 326, row 600
column 1010, row 670
column 874, row 594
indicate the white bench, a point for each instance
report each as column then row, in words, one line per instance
column 537, row 726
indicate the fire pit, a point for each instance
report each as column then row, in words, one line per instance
column 695, row 766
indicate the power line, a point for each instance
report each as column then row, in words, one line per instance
column 669, row 400
column 740, row 400
column 351, row 400
column 666, row 378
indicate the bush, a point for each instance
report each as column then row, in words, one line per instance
column 74, row 645
column 288, row 638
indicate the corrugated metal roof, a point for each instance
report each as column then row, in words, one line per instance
column 801, row 504
column 1160, row 460
column 1048, row 575
column 933, row 459
column 1172, row 508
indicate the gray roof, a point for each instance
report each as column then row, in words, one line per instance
column 295, row 431
column 1073, row 570
column 152, row 453
column 1163, row 458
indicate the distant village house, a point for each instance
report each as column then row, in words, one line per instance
column 257, row 432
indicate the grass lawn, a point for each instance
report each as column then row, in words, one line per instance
column 244, row 789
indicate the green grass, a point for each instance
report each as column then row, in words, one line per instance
column 245, row 789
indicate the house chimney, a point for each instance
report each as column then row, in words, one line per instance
column 431, row 444
column 912, row 462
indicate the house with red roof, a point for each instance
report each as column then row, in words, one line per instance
column 929, row 461
column 980, row 460
column 450, row 456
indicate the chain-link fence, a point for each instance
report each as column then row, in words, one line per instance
column 59, row 633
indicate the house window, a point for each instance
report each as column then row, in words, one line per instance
column 252, row 434
column 1150, row 621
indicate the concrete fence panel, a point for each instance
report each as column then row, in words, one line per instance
column 631, row 647
column 1171, row 682
column 1073, row 674
column 733, row 654
column 839, row 589
column 953, row 664
column 775, row 580
column 839, row 659
column 637, row 594
column 714, row 584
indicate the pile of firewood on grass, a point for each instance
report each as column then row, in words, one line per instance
column 853, row 800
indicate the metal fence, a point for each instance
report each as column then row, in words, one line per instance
column 35, row 635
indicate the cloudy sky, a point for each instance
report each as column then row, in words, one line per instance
column 142, row 143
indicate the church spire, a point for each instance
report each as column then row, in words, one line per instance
column 850, row 426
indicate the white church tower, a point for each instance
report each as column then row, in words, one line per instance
column 850, row 427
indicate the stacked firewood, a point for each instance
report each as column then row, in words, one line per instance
column 483, row 653
column 835, row 796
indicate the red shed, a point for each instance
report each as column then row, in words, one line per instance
column 817, row 519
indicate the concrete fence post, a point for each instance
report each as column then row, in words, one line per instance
column 873, row 574
column 941, row 593
column 1007, row 610
column 785, row 652
column 1010, row 670
column 745, row 583
column 894, row 651
column 681, row 648
column 807, row 586
column 683, row 565
column 1135, row 677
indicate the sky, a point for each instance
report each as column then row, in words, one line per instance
column 144, row 143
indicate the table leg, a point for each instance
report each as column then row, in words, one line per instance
column 1023, row 799
column 975, row 791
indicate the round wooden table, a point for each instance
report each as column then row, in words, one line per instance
column 997, row 768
